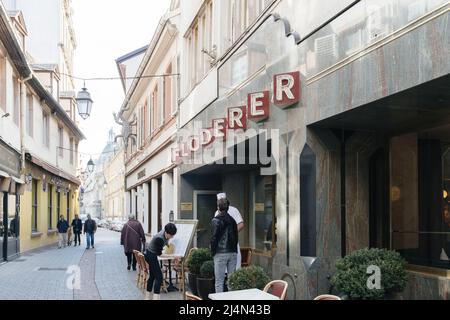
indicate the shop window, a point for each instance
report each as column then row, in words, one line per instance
column 422, row 232
column 34, row 207
column 68, row 206
column 50, row 207
column 308, row 203
column 265, row 233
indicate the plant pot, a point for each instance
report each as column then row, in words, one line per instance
column 205, row 287
column 192, row 280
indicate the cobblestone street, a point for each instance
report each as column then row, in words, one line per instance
column 45, row 274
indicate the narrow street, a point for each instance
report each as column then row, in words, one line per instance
column 44, row 274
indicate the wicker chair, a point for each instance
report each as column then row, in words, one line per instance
column 191, row 297
column 277, row 288
column 327, row 297
column 246, row 254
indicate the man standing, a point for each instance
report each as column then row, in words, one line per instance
column 224, row 241
column 236, row 215
column 62, row 227
column 90, row 227
column 77, row 225
column 132, row 238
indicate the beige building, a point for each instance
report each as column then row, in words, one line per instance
column 114, row 171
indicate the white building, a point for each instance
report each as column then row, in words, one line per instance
column 40, row 137
column 151, row 184
column 51, row 42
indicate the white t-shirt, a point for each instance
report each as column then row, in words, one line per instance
column 232, row 211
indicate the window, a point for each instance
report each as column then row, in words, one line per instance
column 243, row 14
column 61, row 141
column 3, row 83
column 168, row 94
column 50, row 207
column 420, row 201
column 68, row 206
column 146, row 120
column 141, row 128
column 30, row 119
column 200, row 45
column 155, row 108
column 308, row 203
column 76, row 153
column 71, row 150
column 46, row 130
column 16, row 97
column 58, row 202
column 34, row 206
column 265, row 218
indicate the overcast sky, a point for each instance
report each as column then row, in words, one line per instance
column 105, row 31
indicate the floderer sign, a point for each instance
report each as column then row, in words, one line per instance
column 286, row 92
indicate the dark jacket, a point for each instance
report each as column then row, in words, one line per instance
column 62, row 226
column 90, row 226
column 133, row 236
column 157, row 244
column 224, row 234
column 77, row 225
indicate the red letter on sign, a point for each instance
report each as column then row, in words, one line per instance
column 286, row 89
column 219, row 128
column 258, row 106
column 237, row 118
column 206, row 137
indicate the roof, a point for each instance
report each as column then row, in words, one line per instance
column 132, row 54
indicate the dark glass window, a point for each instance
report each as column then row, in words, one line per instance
column 308, row 203
column 34, row 216
column 50, row 207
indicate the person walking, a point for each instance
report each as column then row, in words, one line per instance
column 236, row 215
column 152, row 253
column 62, row 226
column 132, row 238
column 77, row 226
column 224, row 240
column 90, row 227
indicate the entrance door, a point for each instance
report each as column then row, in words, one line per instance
column 205, row 207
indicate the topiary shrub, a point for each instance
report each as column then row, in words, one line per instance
column 207, row 270
column 353, row 274
column 197, row 258
column 248, row 278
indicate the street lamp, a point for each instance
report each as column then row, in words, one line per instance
column 90, row 166
column 84, row 103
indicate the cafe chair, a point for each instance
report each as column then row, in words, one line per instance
column 143, row 270
column 327, row 297
column 246, row 254
column 277, row 288
column 191, row 297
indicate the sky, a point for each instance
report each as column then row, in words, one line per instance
column 106, row 30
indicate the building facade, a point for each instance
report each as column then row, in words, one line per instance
column 326, row 127
column 115, row 185
column 37, row 127
column 151, row 107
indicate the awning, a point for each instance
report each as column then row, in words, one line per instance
column 3, row 174
column 5, row 181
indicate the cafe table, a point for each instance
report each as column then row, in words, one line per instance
column 252, row 294
column 169, row 259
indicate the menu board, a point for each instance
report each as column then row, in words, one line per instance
column 185, row 235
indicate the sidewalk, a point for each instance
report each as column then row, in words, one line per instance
column 42, row 275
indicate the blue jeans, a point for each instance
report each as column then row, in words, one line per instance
column 223, row 263
column 89, row 240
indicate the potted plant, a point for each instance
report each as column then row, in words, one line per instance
column 370, row 274
column 206, row 281
column 248, row 278
column 194, row 263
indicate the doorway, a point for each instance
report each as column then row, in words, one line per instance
column 205, row 206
